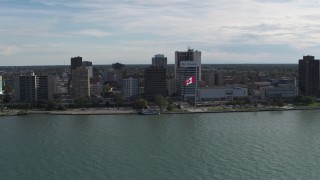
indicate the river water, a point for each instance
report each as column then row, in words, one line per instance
column 261, row 145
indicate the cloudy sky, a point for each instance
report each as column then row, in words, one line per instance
column 49, row 32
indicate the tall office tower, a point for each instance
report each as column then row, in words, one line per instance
column 155, row 78
column 45, row 87
column 130, row 88
column 187, row 65
column 159, row 61
column 76, row 62
column 88, row 65
column 25, row 88
column 309, row 80
column 155, row 82
column 80, row 83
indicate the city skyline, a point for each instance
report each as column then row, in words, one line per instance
column 42, row 32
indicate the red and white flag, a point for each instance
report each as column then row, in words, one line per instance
column 191, row 80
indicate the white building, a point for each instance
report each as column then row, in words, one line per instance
column 222, row 93
column 130, row 88
column 1, row 90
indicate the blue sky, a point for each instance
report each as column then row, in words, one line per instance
column 46, row 32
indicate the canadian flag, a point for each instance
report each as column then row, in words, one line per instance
column 191, row 80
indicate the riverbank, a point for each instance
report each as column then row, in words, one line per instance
column 130, row 111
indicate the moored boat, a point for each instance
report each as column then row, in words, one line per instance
column 150, row 112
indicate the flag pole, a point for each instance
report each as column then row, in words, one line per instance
column 196, row 86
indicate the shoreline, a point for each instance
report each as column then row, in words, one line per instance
column 127, row 111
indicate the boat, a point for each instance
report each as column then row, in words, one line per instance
column 149, row 112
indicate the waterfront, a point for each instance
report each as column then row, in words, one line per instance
column 255, row 145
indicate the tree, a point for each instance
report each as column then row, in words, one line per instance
column 160, row 101
column 106, row 90
column 118, row 99
column 141, row 103
column 8, row 89
column 51, row 105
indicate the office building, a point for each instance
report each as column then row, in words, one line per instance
column 309, row 80
column 31, row 88
column 88, row 65
column 155, row 82
column 187, row 65
column 160, row 61
column 130, row 88
column 45, row 87
column 75, row 63
column 80, row 85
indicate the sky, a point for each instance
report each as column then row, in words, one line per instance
column 47, row 32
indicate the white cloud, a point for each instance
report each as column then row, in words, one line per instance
column 164, row 26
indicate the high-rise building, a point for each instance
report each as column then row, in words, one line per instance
column 31, row 88
column 155, row 78
column 25, row 89
column 130, row 88
column 309, row 76
column 80, row 83
column 187, row 65
column 76, row 62
column 88, row 65
column 45, row 87
column 155, row 82
column 160, row 61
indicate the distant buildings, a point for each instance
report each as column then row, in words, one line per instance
column 274, row 89
column 309, row 76
column 188, row 64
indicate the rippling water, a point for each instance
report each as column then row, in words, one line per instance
column 262, row 145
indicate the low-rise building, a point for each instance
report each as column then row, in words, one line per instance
column 221, row 93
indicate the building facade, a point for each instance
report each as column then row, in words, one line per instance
column 160, row 61
column 45, row 87
column 75, row 63
column 188, row 64
column 223, row 93
column 309, row 76
column 80, row 85
column 155, row 82
column 32, row 88
column 130, row 88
